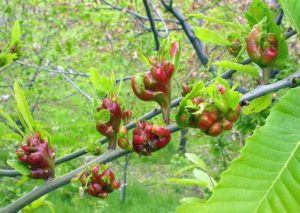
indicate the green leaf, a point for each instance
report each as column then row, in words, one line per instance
column 190, row 207
column 23, row 180
column 176, row 60
column 23, row 107
column 13, row 137
column 196, row 160
column 144, row 58
column 191, row 200
column 103, row 116
column 291, row 9
column 214, row 20
column 15, row 34
column 257, row 11
column 188, row 181
column 186, row 168
column 10, row 121
column 196, row 90
column 248, row 69
column 210, row 36
column 19, row 167
column 7, row 58
column 258, row 104
column 203, row 176
column 102, row 84
column 266, row 177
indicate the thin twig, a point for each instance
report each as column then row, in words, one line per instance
column 52, row 71
column 152, row 24
column 197, row 44
column 77, row 88
column 161, row 18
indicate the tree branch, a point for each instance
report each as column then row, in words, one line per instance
column 265, row 89
column 56, row 183
column 258, row 92
column 161, row 18
column 152, row 24
column 197, row 44
column 77, row 88
column 59, row 70
column 103, row 140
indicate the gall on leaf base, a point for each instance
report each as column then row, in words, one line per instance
column 38, row 156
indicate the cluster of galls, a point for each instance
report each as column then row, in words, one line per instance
column 211, row 116
column 262, row 48
column 99, row 181
column 38, row 156
column 111, row 128
column 146, row 138
column 155, row 85
column 211, row 120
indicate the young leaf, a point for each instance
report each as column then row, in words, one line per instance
column 291, row 9
column 257, row 11
column 248, row 69
column 190, row 200
column 196, row 160
column 192, row 206
column 144, row 58
column 10, row 121
column 23, row 107
column 103, row 85
column 188, row 181
column 258, row 104
column 196, row 91
column 186, row 168
column 103, row 116
column 177, row 57
column 19, row 167
column 210, row 36
column 15, row 34
column 7, row 58
column 214, row 20
column 13, row 137
column 203, row 176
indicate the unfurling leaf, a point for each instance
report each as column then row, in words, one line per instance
column 23, row 108
column 210, row 36
column 248, row 69
column 103, row 116
column 258, row 104
column 19, row 167
column 102, row 84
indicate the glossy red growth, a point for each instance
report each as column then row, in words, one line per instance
column 111, row 128
column 155, row 86
column 148, row 138
column 99, row 182
column 38, row 156
column 262, row 49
